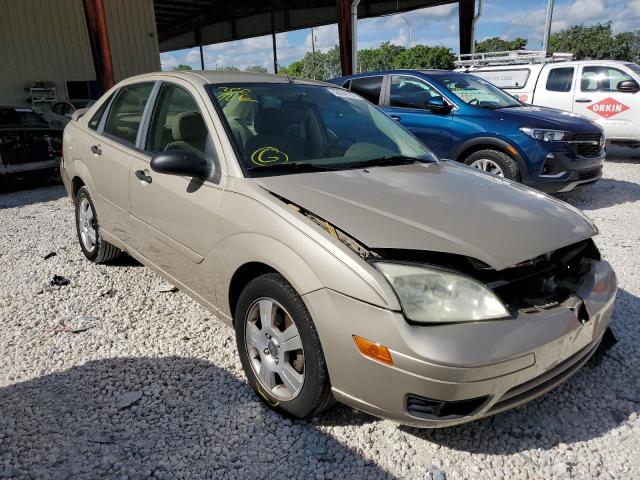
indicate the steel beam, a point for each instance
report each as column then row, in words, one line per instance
column 96, row 19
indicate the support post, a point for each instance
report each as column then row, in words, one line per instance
column 198, row 33
column 96, row 19
column 273, row 42
column 547, row 30
column 466, row 12
column 345, row 36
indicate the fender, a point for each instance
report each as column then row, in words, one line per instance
column 237, row 250
column 490, row 141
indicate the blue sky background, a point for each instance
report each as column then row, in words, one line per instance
column 430, row 26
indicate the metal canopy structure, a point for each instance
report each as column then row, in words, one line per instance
column 192, row 23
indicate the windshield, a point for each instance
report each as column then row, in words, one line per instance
column 633, row 66
column 478, row 92
column 21, row 117
column 286, row 128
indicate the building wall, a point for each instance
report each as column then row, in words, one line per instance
column 48, row 40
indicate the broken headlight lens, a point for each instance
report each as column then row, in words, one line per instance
column 430, row 295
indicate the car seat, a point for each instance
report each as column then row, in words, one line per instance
column 189, row 133
column 271, row 125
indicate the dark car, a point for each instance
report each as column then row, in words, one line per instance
column 28, row 145
column 465, row 118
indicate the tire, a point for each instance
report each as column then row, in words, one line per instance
column 314, row 395
column 101, row 251
column 507, row 165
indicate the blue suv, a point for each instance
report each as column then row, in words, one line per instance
column 465, row 118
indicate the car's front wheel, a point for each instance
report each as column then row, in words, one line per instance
column 280, row 349
column 93, row 245
column 494, row 162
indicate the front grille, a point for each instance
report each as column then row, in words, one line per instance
column 586, row 145
column 590, row 173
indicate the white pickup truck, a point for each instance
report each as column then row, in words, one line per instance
column 605, row 91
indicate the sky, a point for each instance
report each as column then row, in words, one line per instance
column 430, row 26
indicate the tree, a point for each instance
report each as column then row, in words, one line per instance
column 182, row 66
column 381, row 58
column 422, row 56
column 256, row 69
column 594, row 42
column 497, row 44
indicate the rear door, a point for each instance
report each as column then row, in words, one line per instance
column 555, row 87
column 406, row 104
column 175, row 217
column 597, row 97
column 109, row 154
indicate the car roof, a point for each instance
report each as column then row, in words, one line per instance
column 205, row 77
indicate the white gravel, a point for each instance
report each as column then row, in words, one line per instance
column 110, row 378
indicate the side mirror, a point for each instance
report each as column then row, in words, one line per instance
column 180, row 162
column 438, row 105
column 630, row 86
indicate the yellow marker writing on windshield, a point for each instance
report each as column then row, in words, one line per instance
column 269, row 156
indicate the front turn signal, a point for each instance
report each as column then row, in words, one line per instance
column 373, row 350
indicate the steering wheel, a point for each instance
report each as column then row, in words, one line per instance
column 474, row 101
column 342, row 143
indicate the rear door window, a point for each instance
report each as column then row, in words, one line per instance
column 560, row 79
column 95, row 120
column 368, row 87
column 126, row 112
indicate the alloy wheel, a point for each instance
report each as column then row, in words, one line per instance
column 86, row 225
column 488, row 166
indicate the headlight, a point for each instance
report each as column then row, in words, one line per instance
column 545, row 135
column 435, row 296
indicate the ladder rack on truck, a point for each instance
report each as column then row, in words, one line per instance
column 512, row 57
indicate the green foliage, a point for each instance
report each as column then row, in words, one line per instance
column 421, row 57
column 497, row 44
column 597, row 42
column 182, row 67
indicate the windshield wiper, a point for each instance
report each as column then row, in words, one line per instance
column 389, row 160
column 297, row 167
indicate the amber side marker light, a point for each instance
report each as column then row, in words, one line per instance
column 373, row 350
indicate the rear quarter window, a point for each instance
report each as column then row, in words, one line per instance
column 368, row 87
column 560, row 79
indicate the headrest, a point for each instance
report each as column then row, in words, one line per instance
column 189, row 126
column 584, row 84
column 270, row 121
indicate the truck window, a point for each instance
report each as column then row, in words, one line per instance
column 601, row 79
column 515, row 78
column 368, row 87
column 560, row 79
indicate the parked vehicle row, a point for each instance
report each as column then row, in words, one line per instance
column 28, row 144
column 465, row 118
column 604, row 91
column 353, row 263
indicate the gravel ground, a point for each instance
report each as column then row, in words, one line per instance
column 108, row 377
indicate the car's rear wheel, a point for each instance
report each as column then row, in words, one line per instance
column 91, row 242
column 494, row 162
column 280, row 349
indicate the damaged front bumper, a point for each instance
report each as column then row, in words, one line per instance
column 449, row 374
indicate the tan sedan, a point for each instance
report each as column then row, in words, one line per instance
column 353, row 264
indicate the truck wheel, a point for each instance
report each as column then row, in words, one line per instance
column 92, row 244
column 494, row 162
column 279, row 348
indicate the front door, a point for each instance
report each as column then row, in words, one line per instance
column 174, row 216
column 406, row 104
column 109, row 155
column 597, row 97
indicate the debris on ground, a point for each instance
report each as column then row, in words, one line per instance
column 59, row 281
column 81, row 325
column 166, row 288
column 128, row 399
column 49, row 255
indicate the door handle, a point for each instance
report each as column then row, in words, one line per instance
column 583, row 100
column 395, row 117
column 96, row 150
column 143, row 176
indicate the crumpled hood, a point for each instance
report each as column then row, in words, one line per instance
column 542, row 117
column 443, row 207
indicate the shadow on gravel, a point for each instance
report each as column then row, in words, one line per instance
column 607, row 192
column 21, row 198
column 597, row 399
column 124, row 260
column 163, row 417
column 622, row 154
